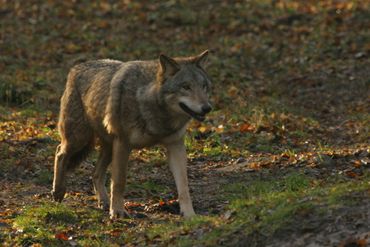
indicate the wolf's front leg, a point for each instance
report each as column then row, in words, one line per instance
column 177, row 159
column 119, row 175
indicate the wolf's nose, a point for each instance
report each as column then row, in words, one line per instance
column 206, row 108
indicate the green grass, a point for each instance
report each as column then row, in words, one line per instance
column 263, row 206
column 294, row 71
column 147, row 188
column 40, row 224
column 44, row 177
column 291, row 183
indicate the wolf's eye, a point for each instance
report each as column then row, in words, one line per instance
column 186, row 87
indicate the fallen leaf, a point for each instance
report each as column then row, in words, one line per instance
column 61, row 236
column 254, row 166
column 233, row 91
column 103, row 24
column 351, row 174
column 354, row 242
column 246, row 128
column 357, row 163
column 133, row 204
column 36, row 245
column 202, row 129
column 72, row 48
column 115, row 232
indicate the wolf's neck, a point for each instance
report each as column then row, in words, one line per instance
column 159, row 120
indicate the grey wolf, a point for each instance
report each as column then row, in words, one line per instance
column 126, row 106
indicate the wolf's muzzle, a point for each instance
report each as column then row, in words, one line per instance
column 198, row 116
column 206, row 108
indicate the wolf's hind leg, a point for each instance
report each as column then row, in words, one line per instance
column 99, row 177
column 69, row 154
column 67, row 158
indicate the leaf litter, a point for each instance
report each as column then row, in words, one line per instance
column 289, row 96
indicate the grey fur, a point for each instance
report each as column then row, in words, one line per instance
column 129, row 105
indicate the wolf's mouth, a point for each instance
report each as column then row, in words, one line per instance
column 193, row 114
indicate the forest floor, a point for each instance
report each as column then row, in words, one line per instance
column 283, row 160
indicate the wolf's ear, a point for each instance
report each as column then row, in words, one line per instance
column 202, row 59
column 169, row 66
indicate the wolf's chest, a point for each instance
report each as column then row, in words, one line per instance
column 139, row 139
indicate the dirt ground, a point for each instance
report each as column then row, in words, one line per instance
column 283, row 160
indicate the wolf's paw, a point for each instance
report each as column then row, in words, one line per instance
column 104, row 205
column 58, row 195
column 121, row 213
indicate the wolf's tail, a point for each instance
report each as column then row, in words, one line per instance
column 78, row 157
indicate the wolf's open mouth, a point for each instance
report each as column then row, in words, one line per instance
column 197, row 116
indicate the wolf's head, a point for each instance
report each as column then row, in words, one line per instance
column 185, row 85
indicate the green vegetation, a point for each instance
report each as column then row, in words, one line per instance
column 266, row 206
column 283, row 157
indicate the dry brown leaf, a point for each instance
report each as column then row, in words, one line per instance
column 246, row 127
column 61, row 236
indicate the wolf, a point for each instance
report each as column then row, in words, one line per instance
column 126, row 106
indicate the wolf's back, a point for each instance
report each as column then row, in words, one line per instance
column 92, row 76
column 96, row 90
